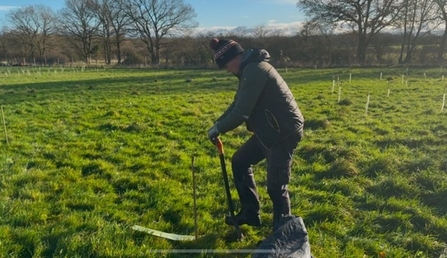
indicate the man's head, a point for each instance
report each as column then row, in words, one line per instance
column 225, row 51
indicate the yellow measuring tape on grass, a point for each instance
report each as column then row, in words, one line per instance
column 170, row 236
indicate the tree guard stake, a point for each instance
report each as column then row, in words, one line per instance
column 4, row 126
column 194, row 196
column 367, row 104
column 443, row 103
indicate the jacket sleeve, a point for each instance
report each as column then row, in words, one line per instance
column 252, row 82
column 230, row 107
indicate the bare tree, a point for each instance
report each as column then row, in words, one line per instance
column 366, row 18
column 33, row 26
column 261, row 31
column 80, row 26
column 101, row 9
column 114, row 22
column 152, row 20
column 4, row 43
column 442, row 10
column 417, row 20
column 325, row 34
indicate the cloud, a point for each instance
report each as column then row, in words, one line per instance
column 283, row 2
column 291, row 2
column 289, row 29
column 271, row 28
column 6, row 7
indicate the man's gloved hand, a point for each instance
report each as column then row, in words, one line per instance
column 213, row 133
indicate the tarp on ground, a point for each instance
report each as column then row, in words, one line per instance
column 289, row 240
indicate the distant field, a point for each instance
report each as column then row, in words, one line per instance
column 85, row 154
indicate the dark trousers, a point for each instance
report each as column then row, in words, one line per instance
column 279, row 162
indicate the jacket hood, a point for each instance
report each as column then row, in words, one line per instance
column 254, row 55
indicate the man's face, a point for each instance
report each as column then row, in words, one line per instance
column 233, row 65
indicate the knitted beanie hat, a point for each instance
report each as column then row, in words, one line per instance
column 225, row 50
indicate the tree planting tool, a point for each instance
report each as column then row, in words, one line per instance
column 220, row 149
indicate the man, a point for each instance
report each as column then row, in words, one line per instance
column 265, row 103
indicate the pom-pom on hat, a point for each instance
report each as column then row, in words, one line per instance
column 225, row 50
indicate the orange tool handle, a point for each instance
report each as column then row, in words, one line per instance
column 219, row 146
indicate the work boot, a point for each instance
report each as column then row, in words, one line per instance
column 251, row 219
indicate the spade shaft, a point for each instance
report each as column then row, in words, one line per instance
column 220, row 149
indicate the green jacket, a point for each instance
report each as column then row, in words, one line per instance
column 264, row 101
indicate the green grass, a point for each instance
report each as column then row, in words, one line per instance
column 91, row 152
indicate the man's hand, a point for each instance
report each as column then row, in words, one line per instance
column 213, row 133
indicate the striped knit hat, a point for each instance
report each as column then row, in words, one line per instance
column 225, row 50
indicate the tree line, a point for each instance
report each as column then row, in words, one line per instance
column 160, row 33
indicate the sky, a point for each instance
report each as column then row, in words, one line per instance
column 213, row 15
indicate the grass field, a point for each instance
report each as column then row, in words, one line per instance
column 88, row 153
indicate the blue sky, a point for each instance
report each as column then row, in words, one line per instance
column 212, row 14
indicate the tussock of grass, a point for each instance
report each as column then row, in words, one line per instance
column 342, row 168
column 314, row 124
column 384, row 165
column 396, row 186
column 345, row 102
